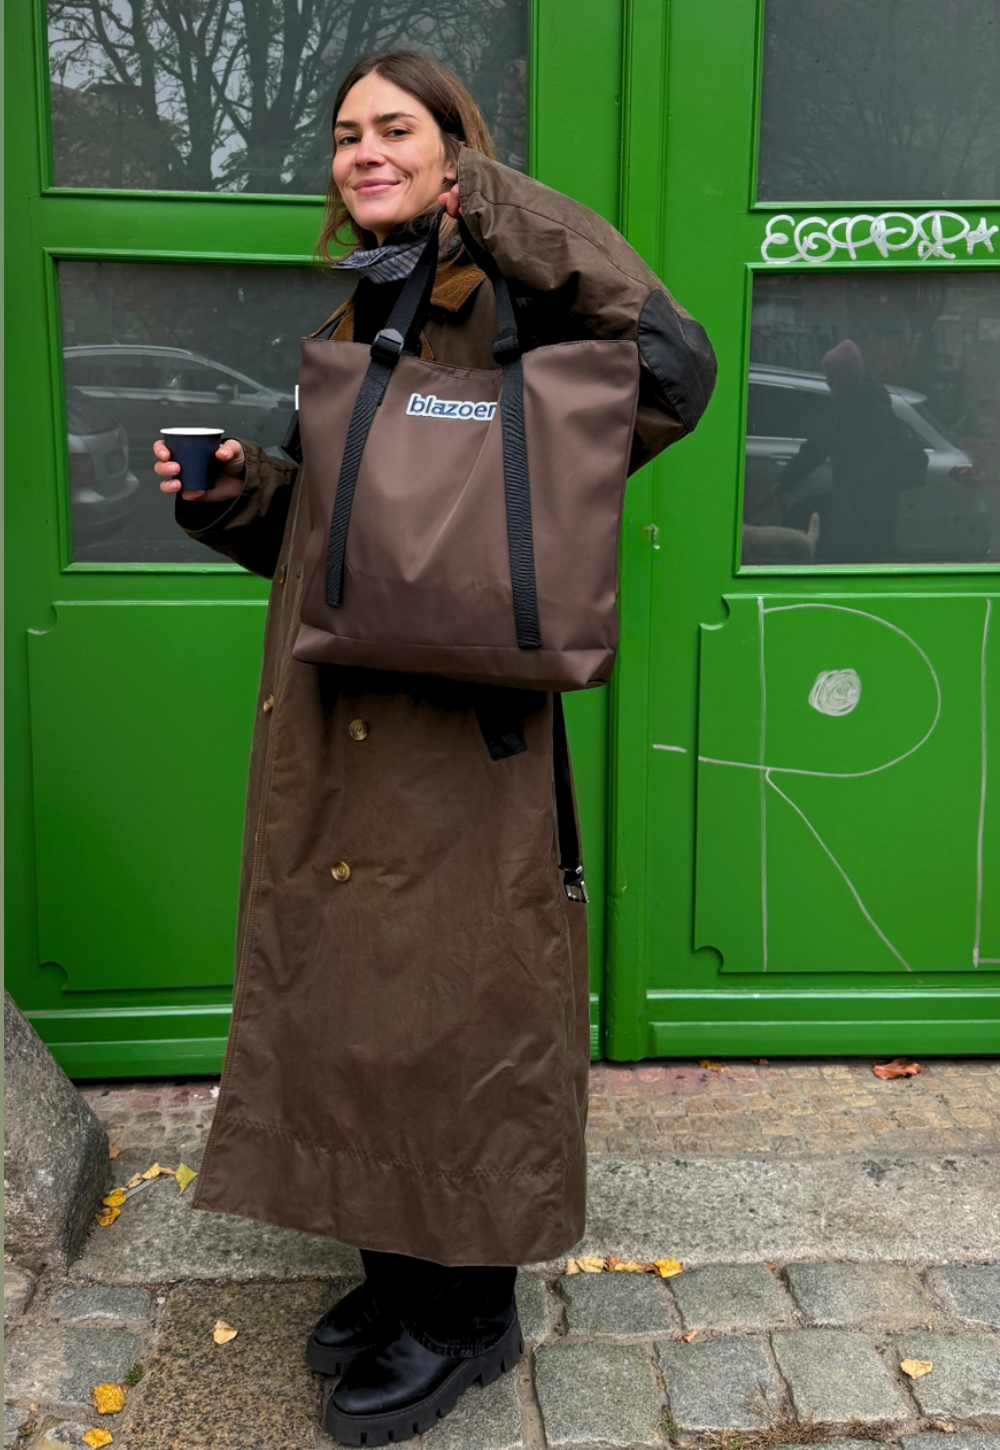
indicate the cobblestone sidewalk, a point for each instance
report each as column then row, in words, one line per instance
column 724, row 1356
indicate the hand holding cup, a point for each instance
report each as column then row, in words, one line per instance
column 227, row 484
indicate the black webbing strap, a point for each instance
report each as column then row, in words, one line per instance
column 570, row 854
column 400, row 334
column 517, row 491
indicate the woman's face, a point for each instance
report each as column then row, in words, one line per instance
column 389, row 160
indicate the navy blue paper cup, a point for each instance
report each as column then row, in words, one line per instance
column 194, row 449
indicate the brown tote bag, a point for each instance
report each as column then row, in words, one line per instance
column 463, row 521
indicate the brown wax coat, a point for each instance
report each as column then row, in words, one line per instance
column 407, row 1064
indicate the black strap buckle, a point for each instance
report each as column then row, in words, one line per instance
column 574, row 884
column 506, row 347
column 388, row 347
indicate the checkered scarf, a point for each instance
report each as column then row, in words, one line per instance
column 397, row 256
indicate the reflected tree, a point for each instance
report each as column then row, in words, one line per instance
column 880, row 102
column 235, row 95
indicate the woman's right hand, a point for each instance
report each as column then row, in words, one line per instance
column 228, row 483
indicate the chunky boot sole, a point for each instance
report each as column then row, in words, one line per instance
column 417, row 1419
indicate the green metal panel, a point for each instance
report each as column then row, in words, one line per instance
column 109, row 681
column 690, row 678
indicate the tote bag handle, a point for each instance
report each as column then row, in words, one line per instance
column 402, row 334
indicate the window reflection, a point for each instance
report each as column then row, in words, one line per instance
column 873, row 426
column 233, row 96
column 880, row 102
column 147, row 347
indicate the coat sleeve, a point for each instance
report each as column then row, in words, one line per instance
column 248, row 529
column 583, row 279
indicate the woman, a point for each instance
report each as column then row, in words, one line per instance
column 407, row 1065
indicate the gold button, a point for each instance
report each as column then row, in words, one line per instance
column 359, row 729
column 283, row 574
column 268, row 705
column 341, row 871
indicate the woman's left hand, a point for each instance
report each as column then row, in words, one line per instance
column 450, row 200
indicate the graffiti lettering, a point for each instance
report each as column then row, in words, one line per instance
column 814, row 239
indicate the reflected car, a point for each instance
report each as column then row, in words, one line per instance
column 946, row 519
column 103, row 491
column 148, row 387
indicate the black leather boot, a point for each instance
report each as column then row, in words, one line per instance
column 401, row 1388
column 352, row 1327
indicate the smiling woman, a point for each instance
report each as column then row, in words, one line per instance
column 407, row 1064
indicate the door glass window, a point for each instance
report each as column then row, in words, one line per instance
column 873, row 419
column 149, row 346
column 144, row 98
column 880, row 102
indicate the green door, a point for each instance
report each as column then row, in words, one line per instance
column 161, row 216
column 806, row 730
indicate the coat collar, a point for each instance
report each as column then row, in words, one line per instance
column 453, row 286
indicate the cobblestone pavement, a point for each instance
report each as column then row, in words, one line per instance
column 723, row 1356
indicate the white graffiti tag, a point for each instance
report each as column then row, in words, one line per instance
column 815, row 239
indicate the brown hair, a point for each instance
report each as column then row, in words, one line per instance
column 449, row 102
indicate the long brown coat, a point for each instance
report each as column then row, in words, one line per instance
column 407, row 1063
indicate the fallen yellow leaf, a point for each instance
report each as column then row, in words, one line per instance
column 134, row 1181
column 572, row 1267
column 106, row 1216
column 96, row 1438
column 153, row 1172
column 687, row 1338
column 667, row 1268
column 185, row 1175
column 588, row 1264
column 629, row 1266
column 712, row 1066
column 223, row 1332
column 898, row 1067
column 916, row 1368
column 113, row 1151
column 107, row 1399
column 115, row 1198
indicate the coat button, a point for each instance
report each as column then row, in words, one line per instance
column 283, row 574
column 341, row 871
column 359, row 729
column 268, row 705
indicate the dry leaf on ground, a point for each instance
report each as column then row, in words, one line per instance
column 223, row 1332
column 667, row 1268
column 589, row 1264
column 97, row 1438
column 712, row 1066
column 134, row 1181
column 106, row 1216
column 107, row 1399
column 185, row 1175
column 115, row 1198
column 916, row 1368
column 687, row 1338
column 898, row 1067
column 113, row 1151
column 630, row 1266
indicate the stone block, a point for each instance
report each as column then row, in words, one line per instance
column 971, row 1293
column 55, row 1151
column 715, row 1385
column 52, row 1364
column 54, row 1433
column 18, row 1288
column 850, row 1296
column 254, row 1391
column 602, row 1394
column 619, row 1304
column 731, row 1296
column 965, row 1380
column 103, row 1303
column 483, row 1419
column 533, row 1304
column 160, row 1238
column 837, row 1376
column 944, row 1440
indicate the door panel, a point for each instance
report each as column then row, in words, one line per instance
column 755, row 910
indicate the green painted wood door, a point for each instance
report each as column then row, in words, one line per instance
column 162, row 209
column 806, row 728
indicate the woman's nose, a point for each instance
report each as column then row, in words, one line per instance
column 368, row 150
